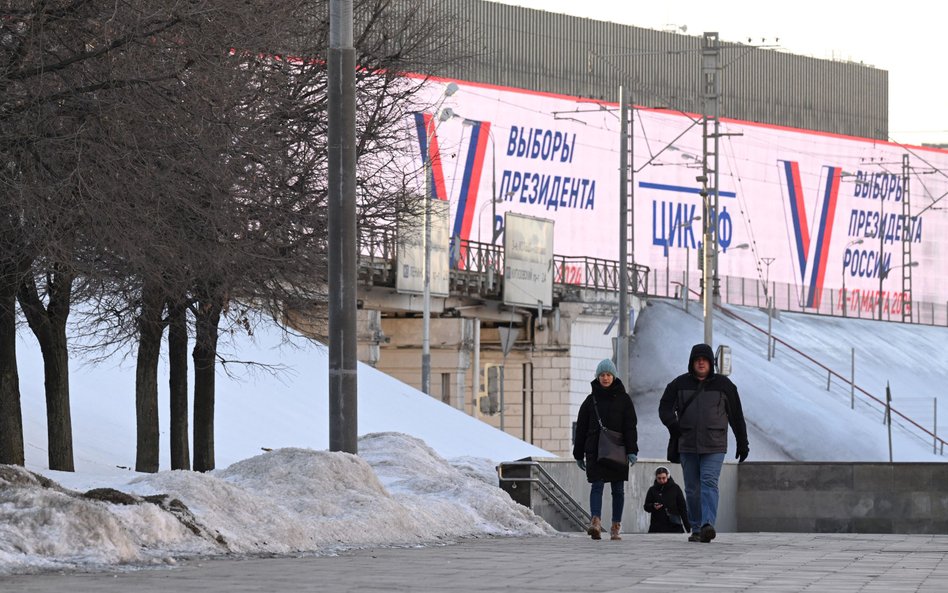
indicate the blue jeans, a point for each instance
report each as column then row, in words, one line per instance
column 618, row 499
column 701, row 486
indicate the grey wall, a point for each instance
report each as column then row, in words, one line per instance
column 781, row 497
column 543, row 51
column 843, row 497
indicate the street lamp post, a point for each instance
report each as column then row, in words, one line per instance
column 493, row 188
column 449, row 90
column 667, row 265
column 845, row 302
column 668, row 244
column 493, row 181
column 767, row 261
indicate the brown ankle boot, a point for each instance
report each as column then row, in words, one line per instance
column 614, row 532
column 595, row 528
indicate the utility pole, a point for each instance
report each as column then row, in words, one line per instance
column 711, row 109
column 706, row 304
column 622, row 350
column 906, row 243
column 343, row 356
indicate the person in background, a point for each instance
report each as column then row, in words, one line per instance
column 698, row 406
column 610, row 402
column 665, row 503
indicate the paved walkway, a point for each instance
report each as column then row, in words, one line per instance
column 641, row 563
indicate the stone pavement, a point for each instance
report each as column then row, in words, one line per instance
column 656, row 563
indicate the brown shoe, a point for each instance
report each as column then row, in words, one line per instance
column 595, row 528
column 707, row 533
column 614, row 532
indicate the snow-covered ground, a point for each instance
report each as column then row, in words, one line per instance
column 425, row 471
column 791, row 414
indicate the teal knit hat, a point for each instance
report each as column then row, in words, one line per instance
column 606, row 366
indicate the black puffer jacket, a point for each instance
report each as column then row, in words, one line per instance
column 618, row 413
column 670, row 496
column 703, row 426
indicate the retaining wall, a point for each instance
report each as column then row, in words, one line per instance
column 796, row 497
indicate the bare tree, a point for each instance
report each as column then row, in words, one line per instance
column 181, row 148
column 280, row 205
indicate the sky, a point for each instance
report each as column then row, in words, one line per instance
column 425, row 471
column 906, row 39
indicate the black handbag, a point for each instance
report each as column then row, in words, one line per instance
column 673, row 454
column 611, row 445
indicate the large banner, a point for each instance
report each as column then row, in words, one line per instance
column 810, row 210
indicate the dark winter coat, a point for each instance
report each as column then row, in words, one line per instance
column 618, row 413
column 670, row 496
column 703, row 427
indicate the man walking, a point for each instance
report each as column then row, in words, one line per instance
column 697, row 408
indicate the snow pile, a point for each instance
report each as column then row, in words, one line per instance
column 398, row 491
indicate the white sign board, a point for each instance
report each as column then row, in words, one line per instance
column 528, row 261
column 411, row 253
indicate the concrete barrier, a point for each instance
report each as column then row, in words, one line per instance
column 796, row 497
column 843, row 497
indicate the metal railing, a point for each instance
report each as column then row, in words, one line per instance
column 789, row 297
column 480, row 266
column 555, row 493
column 378, row 252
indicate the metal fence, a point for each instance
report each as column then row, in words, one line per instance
column 789, row 297
column 378, row 254
column 480, row 266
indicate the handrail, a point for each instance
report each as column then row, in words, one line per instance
column 581, row 519
column 830, row 371
column 475, row 257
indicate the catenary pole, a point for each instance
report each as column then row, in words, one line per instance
column 622, row 354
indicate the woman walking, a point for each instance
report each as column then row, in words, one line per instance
column 610, row 407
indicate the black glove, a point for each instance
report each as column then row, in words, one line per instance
column 581, row 464
column 742, row 452
column 674, row 430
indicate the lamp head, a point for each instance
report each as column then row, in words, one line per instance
column 446, row 114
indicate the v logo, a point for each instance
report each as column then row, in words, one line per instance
column 811, row 253
column 470, row 179
column 423, row 123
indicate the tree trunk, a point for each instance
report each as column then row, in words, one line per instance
column 150, row 330
column 49, row 326
column 178, row 384
column 11, row 417
column 205, row 355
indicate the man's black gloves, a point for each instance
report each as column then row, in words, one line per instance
column 742, row 452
